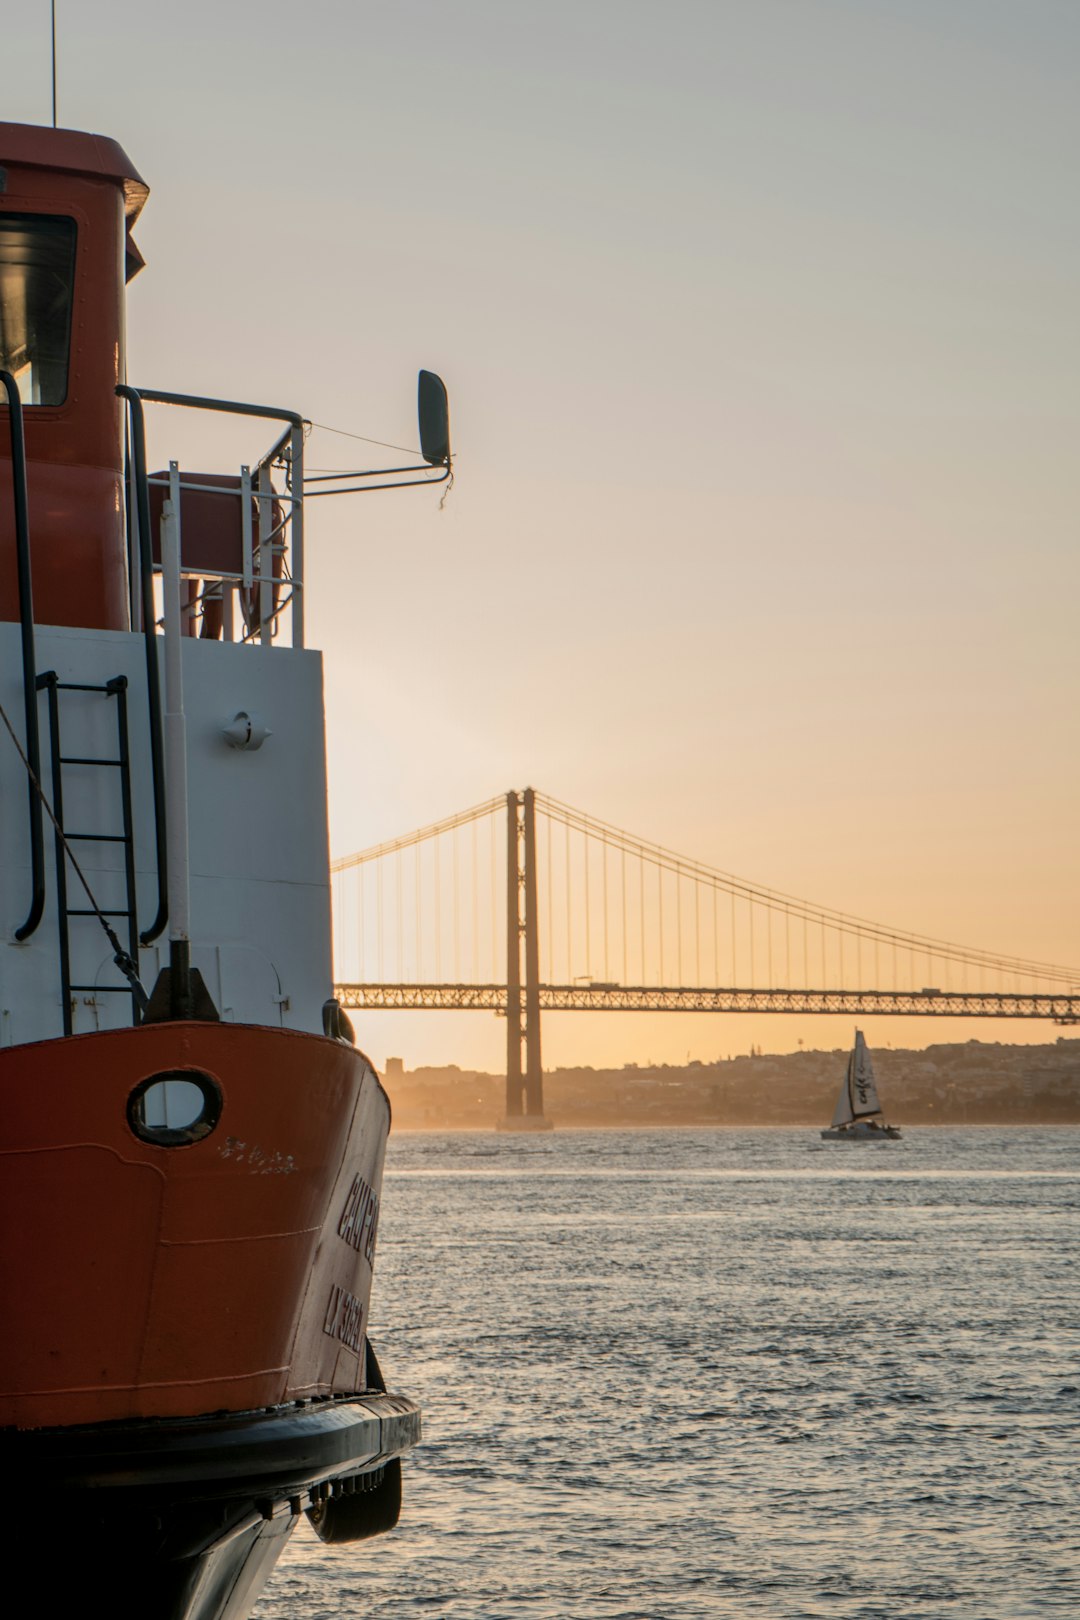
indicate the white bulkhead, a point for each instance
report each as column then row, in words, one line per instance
column 259, row 884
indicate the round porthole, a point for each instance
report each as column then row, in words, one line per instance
column 175, row 1107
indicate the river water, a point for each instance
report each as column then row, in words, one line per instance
column 724, row 1373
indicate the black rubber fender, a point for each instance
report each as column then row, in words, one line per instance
column 359, row 1514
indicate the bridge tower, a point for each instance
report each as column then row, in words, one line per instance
column 524, row 1080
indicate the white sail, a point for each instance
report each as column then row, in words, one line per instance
column 842, row 1114
column 861, row 1088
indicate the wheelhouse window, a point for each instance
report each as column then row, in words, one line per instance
column 37, row 280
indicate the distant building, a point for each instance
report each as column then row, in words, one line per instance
column 395, row 1069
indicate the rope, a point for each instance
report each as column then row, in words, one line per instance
column 384, row 444
column 120, row 956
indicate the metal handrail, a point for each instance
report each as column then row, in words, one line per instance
column 161, row 481
column 153, row 675
column 378, row 472
column 373, row 489
column 26, row 622
column 231, row 407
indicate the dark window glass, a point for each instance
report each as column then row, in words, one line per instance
column 37, row 277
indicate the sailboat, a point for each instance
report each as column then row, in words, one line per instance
column 858, row 1116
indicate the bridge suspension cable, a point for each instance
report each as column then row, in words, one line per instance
column 422, row 835
column 785, row 951
column 428, row 902
column 623, row 919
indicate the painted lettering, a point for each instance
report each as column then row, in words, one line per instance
column 360, row 1218
column 259, row 1161
column 344, row 1318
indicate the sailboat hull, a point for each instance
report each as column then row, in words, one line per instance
column 861, row 1132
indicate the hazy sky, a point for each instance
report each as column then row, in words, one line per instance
column 759, row 321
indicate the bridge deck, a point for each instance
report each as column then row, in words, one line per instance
column 1063, row 1009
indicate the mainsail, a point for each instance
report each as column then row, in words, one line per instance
column 858, row 1095
column 861, row 1088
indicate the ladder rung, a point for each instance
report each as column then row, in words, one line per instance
column 76, row 686
column 102, row 989
column 77, row 759
column 96, row 838
column 86, row 912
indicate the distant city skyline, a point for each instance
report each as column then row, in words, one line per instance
column 759, row 326
column 947, row 1084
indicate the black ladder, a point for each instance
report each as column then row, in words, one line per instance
column 116, row 688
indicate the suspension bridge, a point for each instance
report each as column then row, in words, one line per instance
column 523, row 904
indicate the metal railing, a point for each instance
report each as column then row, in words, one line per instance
column 270, row 580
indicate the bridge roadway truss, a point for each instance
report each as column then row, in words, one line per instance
column 1063, row 1009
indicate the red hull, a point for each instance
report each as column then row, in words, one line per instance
column 222, row 1275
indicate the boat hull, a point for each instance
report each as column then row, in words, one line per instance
column 189, row 1369
column 227, row 1273
column 861, row 1133
column 185, row 1519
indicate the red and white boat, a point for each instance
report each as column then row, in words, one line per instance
column 191, row 1146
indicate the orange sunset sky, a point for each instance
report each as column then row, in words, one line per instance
column 759, row 323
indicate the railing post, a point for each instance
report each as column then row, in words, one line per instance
column 247, row 553
column 150, row 641
column 296, row 537
column 267, row 543
column 176, row 757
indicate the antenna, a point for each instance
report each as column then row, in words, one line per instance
column 53, row 8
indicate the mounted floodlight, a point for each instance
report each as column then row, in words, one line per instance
column 433, row 409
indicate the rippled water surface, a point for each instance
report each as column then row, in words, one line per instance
column 725, row 1373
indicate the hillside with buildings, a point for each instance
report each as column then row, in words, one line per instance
column 976, row 1082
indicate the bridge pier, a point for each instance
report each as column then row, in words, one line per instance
column 524, row 1082
column 514, row 875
